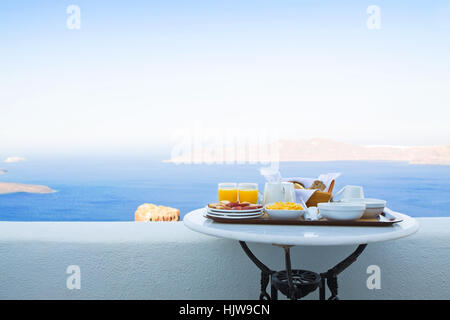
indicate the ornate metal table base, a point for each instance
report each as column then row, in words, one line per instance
column 296, row 284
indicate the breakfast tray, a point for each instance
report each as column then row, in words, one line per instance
column 384, row 220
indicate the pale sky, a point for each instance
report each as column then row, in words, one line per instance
column 137, row 71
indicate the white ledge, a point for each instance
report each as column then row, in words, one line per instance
column 165, row 260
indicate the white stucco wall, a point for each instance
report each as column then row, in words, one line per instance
column 167, row 261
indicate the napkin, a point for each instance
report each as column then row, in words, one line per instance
column 270, row 174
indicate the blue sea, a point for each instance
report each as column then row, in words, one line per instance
column 111, row 188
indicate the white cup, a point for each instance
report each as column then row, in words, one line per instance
column 350, row 194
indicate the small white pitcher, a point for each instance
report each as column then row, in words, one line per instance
column 278, row 191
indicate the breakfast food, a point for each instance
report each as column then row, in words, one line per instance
column 284, row 206
column 298, row 185
column 317, row 184
column 227, row 205
column 151, row 212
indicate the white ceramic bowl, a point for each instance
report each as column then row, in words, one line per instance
column 374, row 207
column 284, row 214
column 341, row 210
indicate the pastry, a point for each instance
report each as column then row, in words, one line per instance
column 298, row 185
column 317, row 184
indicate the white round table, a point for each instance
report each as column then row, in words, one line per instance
column 291, row 235
column 300, row 235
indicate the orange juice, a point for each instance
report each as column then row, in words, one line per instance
column 228, row 194
column 248, row 196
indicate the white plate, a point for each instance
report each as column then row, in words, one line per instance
column 233, row 211
column 221, row 214
column 234, row 217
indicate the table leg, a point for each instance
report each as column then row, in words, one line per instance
column 255, row 260
column 273, row 291
column 328, row 278
column 331, row 275
column 322, row 288
column 266, row 273
column 287, row 257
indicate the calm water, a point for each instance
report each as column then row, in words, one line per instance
column 111, row 189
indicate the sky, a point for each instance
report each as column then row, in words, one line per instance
column 136, row 72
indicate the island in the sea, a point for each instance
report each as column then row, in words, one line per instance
column 11, row 187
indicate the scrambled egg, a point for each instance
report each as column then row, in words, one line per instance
column 284, row 206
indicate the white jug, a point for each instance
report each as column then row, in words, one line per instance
column 278, row 191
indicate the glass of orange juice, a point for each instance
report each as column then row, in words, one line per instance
column 228, row 191
column 248, row 192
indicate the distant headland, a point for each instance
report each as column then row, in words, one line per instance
column 11, row 187
column 325, row 150
column 328, row 150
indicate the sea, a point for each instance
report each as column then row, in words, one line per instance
column 111, row 188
